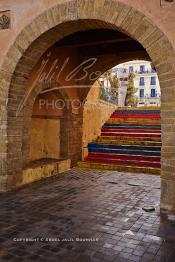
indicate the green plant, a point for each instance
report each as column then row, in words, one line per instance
column 103, row 94
column 114, row 86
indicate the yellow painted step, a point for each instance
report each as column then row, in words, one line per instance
column 118, row 138
column 128, row 142
column 118, row 168
column 140, row 121
column 139, row 108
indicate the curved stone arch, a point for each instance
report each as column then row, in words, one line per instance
column 33, row 41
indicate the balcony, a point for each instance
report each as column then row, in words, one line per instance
column 145, row 72
column 148, row 100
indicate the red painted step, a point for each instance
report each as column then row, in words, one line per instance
column 157, row 116
column 130, row 130
column 129, row 134
column 124, row 157
column 124, row 162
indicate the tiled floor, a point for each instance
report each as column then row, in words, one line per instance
column 102, row 208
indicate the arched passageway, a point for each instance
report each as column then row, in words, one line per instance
column 120, row 24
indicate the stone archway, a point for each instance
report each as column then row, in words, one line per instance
column 42, row 33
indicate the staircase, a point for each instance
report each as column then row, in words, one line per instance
column 130, row 141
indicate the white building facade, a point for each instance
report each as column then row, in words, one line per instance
column 145, row 81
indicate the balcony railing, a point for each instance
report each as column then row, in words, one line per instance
column 144, row 72
column 149, row 101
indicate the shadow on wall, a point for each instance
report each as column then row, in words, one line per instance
column 96, row 113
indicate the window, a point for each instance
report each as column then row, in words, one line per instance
column 153, row 70
column 141, row 93
column 153, row 92
column 142, row 81
column 142, row 69
column 153, row 80
column 131, row 69
column 102, row 84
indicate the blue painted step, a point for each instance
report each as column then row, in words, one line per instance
column 123, row 151
column 118, row 126
column 135, row 147
column 119, row 149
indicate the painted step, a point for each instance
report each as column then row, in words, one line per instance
column 128, row 142
column 133, row 121
column 130, row 134
column 144, row 116
column 135, row 147
column 105, row 129
column 119, row 168
column 124, row 157
column 124, row 147
column 123, row 150
column 130, row 126
column 146, row 108
column 124, row 162
column 129, row 138
column 144, row 112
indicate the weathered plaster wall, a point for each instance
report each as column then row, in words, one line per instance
column 45, row 139
column 50, row 68
column 45, row 128
column 95, row 114
column 47, row 105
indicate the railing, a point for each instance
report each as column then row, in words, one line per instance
column 108, row 95
column 149, row 100
column 145, row 72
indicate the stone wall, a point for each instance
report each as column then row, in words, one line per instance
column 45, row 139
column 95, row 114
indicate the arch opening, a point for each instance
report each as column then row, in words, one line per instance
column 71, row 67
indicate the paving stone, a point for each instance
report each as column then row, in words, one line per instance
column 82, row 204
column 148, row 208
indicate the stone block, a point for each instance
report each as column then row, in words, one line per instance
column 84, row 153
column 123, row 14
column 40, row 171
column 167, row 195
column 132, row 21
